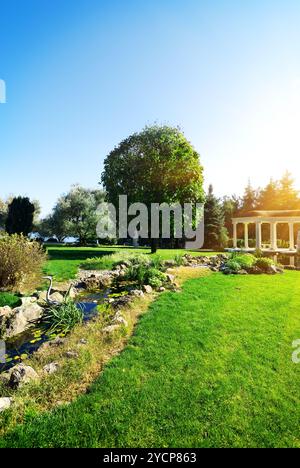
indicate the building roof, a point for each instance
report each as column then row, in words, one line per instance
column 270, row 214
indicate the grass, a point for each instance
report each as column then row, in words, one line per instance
column 8, row 299
column 74, row 375
column 208, row 367
column 64, row 262
column 63, row 318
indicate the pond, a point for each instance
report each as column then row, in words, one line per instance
column 21, row 346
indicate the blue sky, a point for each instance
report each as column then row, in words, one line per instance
column 82, row 75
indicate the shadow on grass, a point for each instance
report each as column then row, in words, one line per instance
column 64, row 254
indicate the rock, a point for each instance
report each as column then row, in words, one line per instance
column 71, row 355
column 5, row 312
column 21, row 375
column 83, row 341
column 120, row 320
column 51, row 368
column 56, row 342
column 111, row 329
column 137, row 293
column 22, row 318
column 5, row 403
column 214, row 269
column 42, row 297
column 243, row 272
column 170, row 263
column 57, row 297
column 73, row 293
column 255, row 270
column 161, row 289
column 122, row 301
column 147, row 288
column 28, row 300
column 170, row 278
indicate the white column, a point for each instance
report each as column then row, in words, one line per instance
column 246, row 236
column 292, row 238
column 258, row 235
column 234, row 235
column 274, row 235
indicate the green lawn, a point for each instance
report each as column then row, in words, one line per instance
column 64, row 262
column 208, row 367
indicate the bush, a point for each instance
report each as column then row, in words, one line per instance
column 264, row 263
column 143, row 270
column 233, row 265
column 21, row 263
column 155, row 278
column 62, row 318
column 244, row 260
column 7, row 299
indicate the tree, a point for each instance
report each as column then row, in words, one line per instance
column 3, row 213
column 75, row 214
column 287, row 194
column 268, row 197
column 249, row 199
column 157, row 165
column 20, row 216
column 230, row 206
column 215, row 231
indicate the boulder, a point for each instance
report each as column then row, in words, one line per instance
column 51, row 368
column 119, row 319
column 170, row 278
column 5, row 312
column 136, row 293
column 28, row 300
column 111, row 329
column 5, row 403
column 147, row 288
column 57, row 297
column 58, row 341
column 21, row 318
column 21, row 375
column 170, row 263
column 42, row 298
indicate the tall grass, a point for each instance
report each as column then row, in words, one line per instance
column 63, row 318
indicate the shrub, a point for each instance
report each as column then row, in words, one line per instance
column 233, row 265
column 155, row 278
column 21, row 263
column 7, row 299
column 244, row 260
column 62, row 318
column 264, row 263
column 137, row 273
column 144, row 274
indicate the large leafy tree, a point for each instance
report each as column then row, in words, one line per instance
column 215, row 231
column 75, row 214
column 157, row 165
column 20, row 216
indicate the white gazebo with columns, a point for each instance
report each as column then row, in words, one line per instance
column 273, row 218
